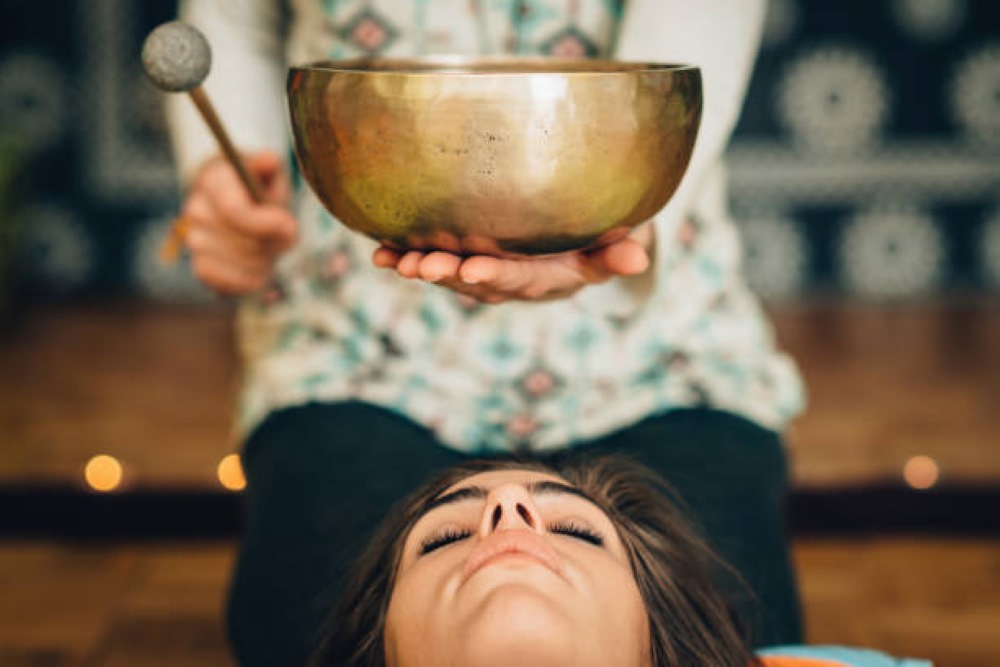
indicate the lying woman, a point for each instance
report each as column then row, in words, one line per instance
column 587, row 562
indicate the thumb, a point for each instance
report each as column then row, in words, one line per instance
column 268, row 168
column 265, row 163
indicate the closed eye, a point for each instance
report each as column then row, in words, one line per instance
column 580, row 532
column 442, row 539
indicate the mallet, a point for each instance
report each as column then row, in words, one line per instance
column 177, row 58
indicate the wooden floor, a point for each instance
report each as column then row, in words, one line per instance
column 888, row 383
column 153, row 386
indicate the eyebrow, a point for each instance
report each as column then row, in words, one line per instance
column 537, row 488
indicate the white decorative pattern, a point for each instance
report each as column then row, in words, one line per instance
column 990, row 247
column 891, row 251
column 775, row 257
column 929, row 20
column 32, row 101
column 975, row 94
column 122, row 165
column 783, row 176
column 153, row 277
column 56, row 250
column 834, row 99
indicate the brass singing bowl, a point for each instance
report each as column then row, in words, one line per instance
column 505, row 156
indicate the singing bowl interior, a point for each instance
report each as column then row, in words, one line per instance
column 503, row 156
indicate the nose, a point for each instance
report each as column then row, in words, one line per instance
column 510, row 507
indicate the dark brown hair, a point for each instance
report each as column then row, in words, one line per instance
column 690, row 624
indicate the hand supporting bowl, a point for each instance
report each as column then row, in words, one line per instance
column 507, row 157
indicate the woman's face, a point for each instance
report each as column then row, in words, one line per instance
column 515, row 567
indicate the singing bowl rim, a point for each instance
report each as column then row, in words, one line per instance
column 455, row 65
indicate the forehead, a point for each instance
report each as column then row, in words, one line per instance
column 494, row 478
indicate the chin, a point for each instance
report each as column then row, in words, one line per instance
column 516, row 625
column 505, row 650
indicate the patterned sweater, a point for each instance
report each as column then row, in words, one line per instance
column 524, row 376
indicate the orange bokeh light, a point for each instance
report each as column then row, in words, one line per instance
column 103, row 473
column 921, row 472
column 230, row 473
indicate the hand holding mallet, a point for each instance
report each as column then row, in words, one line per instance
column 177, row 58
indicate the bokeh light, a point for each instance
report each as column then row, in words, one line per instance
column 921, row 472
column 230, row 473
column 103, row 473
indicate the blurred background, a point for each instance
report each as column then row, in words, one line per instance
column 865, row 179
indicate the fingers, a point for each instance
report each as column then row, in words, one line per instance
column 434, row 267
column 409, row 264
column 487, row 279
column 233, row 240
column 273, row 226
column 268, row 230
column 266, row 165
column 226, row 245
column 439, row 266
column 385, row 258
column 227, row 278
column 231, row 205
column 494, row 280
column 527, row 278
column 624, row 258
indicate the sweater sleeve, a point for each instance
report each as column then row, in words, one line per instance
column 719, row 36
column 245, row 84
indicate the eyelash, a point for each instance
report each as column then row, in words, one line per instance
column 443, row 539
column 573, row 529
column 568, row 528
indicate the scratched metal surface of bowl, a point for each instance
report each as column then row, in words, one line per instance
column 503, row 156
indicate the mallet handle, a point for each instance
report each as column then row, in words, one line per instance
column 204, row 106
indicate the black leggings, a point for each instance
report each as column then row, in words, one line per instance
column 321, row 476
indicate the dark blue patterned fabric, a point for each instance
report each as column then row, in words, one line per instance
column 867, row 161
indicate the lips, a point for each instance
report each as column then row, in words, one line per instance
column 505, row 542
